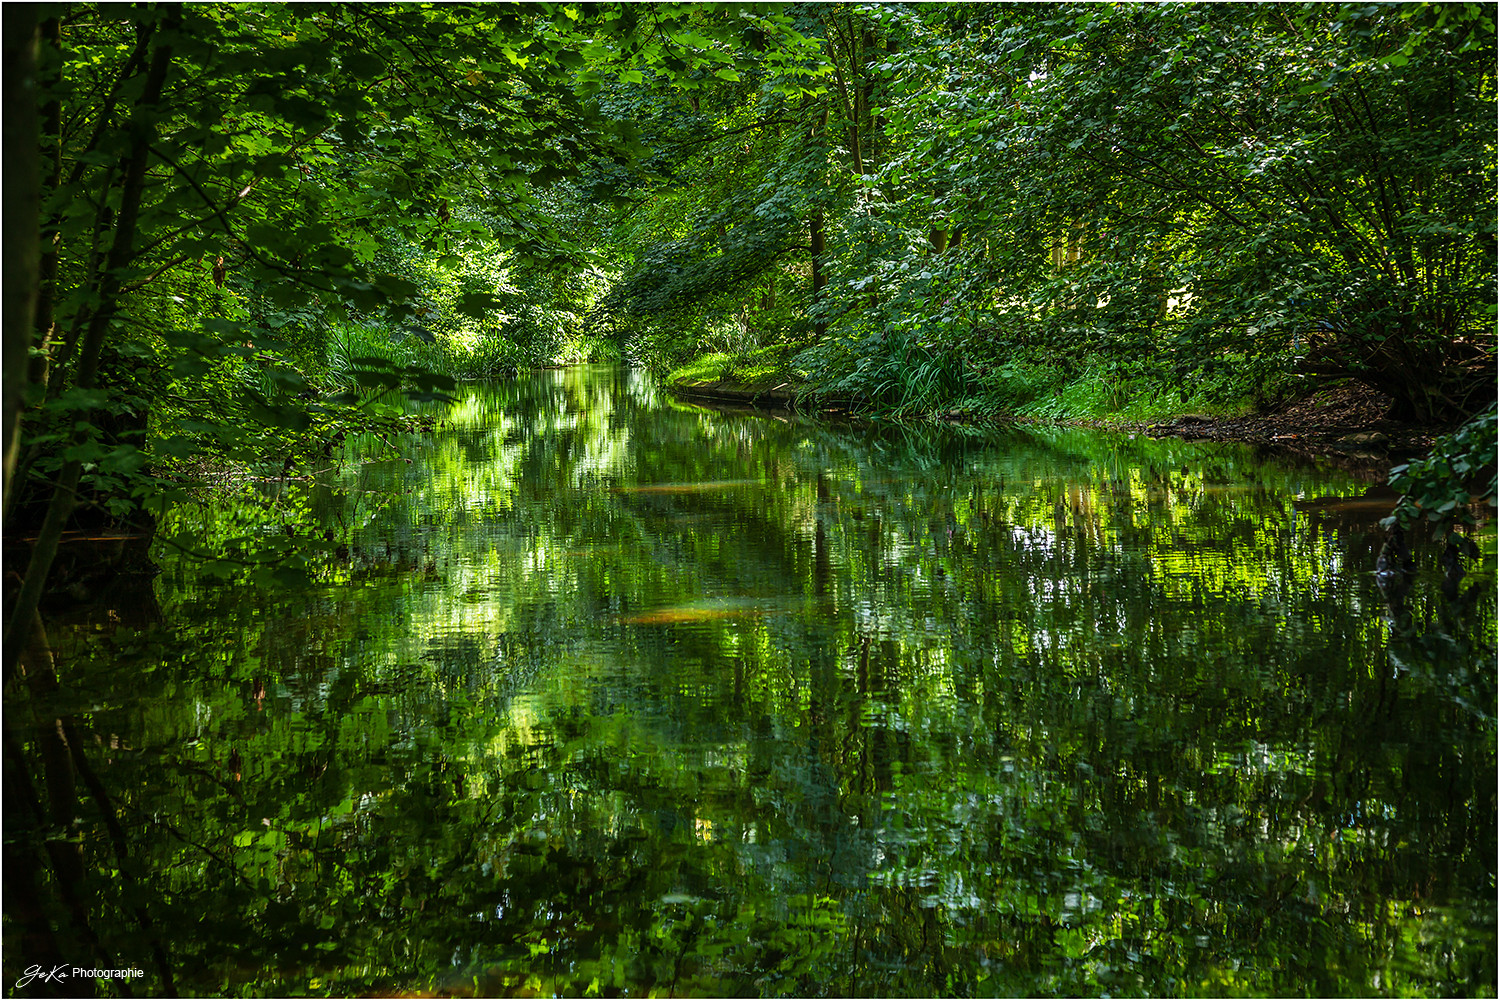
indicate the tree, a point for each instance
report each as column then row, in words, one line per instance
column 1246, row 196
column 1308, row 182
column 176, row 164
column 188, row 180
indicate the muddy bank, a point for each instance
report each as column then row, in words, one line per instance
column 1347, row 420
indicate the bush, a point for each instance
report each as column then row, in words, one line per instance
column 1442, row 490
column 893, row 368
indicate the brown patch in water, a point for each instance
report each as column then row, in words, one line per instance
column 686, row 488
column 675, row 616
column 697, row 611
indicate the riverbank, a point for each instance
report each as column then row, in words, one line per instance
column 1347, row 420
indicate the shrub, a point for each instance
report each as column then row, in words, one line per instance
column 1442, row 490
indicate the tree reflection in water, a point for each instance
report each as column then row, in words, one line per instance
column 612, row 695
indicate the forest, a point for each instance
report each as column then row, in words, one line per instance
column 247, row 244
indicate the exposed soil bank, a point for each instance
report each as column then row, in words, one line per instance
column 1348, row 420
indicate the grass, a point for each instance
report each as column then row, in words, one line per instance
column 349, row 341
column 1104, row 391
column 913, row 383
column 751, row 368
column 1094, row 397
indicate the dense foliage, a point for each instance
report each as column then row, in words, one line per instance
column 1046, row 208
column 1017, row 200
column 1448, row 487
column 241, row 237
column 244, row 232
column 238, row 234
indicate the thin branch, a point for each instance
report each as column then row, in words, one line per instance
column 132, row 66
column 136, row 286
column 1174, row 187
column 724, row 135
column 219, row 213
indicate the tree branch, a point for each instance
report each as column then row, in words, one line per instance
column 724, row 135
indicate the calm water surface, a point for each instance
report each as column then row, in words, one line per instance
column 612, row 695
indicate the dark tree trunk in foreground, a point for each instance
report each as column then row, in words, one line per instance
column 22, row 205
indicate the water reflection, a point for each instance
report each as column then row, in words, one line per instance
column 612, row 695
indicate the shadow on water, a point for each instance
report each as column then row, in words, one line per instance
column 607, row 696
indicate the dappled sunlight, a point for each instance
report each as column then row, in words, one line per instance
column 388, row 615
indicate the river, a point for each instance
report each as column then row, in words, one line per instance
column 610, row 694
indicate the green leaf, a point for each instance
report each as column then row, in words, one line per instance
column 177, row 446
column 287, row 379
column 85, row 452
column 280, row 576
column 368, row 379
column 396, row 287
column 424, row 379
column 189, row 367
column 477, row 304
column 362, row 64
column 288, row 417
column 78, row 398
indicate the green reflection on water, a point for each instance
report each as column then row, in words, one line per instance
column 614, row 695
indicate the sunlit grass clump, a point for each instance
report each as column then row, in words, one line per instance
column 1104, row 391
column 751, row 368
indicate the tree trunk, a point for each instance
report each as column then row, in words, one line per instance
column 816, row 240
column 21, row 143
column 818, row 278
column 64, row 495
column 46, row 319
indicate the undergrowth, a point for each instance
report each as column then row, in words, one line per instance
column 752, row 367
column 1113, row 392
column 462, row 357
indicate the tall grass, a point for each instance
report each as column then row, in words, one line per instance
column 893, row 370
column 350, row 341
column 1107, row 390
